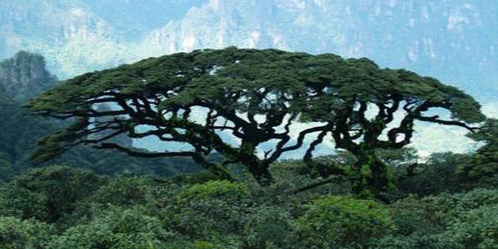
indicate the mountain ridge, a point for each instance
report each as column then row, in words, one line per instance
column 453, row 41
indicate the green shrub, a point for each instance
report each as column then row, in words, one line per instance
column 452, row 205
column 117, row 229
column 209, row 210
column 414, row 241
column 436, row 176
column 193, row 178
column 222, row 190
column 270, row 227
column 124, row 191
column 344, row 221
column 23, row 234
column 418, row 223
column 225, row 243
column 48, row 193
column 416, row 215
column 22, row 203
column 476, row 228
column 446, row 221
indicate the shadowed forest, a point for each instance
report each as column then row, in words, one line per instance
column 263, row 149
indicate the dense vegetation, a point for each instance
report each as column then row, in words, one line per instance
column 64, row 207
column 374, row 193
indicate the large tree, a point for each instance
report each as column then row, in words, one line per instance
column 260, row 99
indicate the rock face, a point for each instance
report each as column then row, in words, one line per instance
column 454, row 41
column 24, row 76
column 77, row 36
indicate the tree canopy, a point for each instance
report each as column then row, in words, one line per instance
column 208, row 98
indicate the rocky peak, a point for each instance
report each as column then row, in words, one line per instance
column 24, row 76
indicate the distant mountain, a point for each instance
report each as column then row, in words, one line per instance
column 82, row 35
column 67, row 32
column 135, row 19
column 454, row 41
column 25, row 76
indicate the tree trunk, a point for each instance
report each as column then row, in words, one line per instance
column 261, row 173
column 371, row 177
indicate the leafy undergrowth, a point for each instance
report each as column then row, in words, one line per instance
column 60, row 207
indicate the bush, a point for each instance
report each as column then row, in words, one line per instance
column 271, row 227
column 202, row 244
column 209, row 210
column 476, row 228
column 124, row 191
column 222, row 190
column 452, row 205
column 414, row 215
column 117, row 229
column 446, row 221
column 413, row 241
column 418, row 222
column 22, row 203
column 49, row 193
column 344, row 221
column 438, row 176
column 23, row 234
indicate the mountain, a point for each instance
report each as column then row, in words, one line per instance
column 454, row 41
column 82, row 35
column 25, row 76
column 135, row 19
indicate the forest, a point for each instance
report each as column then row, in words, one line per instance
column 263, row 149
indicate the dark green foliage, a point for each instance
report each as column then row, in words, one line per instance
column 22, row 78
column 125, row 191
column 484, row 163
column 475, row 228
column 210, row 209
column 437, row 175
column 195, row 212
column 49, row 193
column 7, row 170
column 272, row 227
column 20, row 136
column 466, row 220
column 344, row 221
column 17, row 144
column 115, row 229
column 23, row 234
